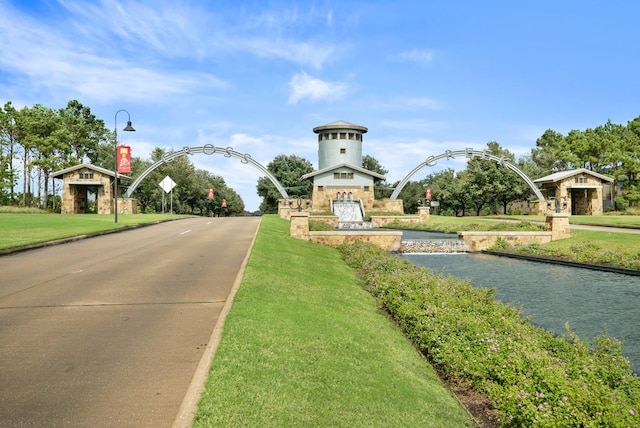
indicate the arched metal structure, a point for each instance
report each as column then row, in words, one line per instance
column 207, row 149
column 468, row 153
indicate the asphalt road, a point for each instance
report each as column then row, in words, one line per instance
column 109, row 331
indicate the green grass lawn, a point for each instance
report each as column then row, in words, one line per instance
column 306, row 345
column 18, row 230
column 632, row 221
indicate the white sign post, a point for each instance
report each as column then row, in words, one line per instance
column 167, row 184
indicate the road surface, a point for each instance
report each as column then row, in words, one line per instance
column 108, row 331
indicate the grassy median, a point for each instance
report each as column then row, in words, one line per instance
column 306, row 345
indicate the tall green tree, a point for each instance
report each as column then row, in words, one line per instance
column 380, row 188
column 411, row 194
column 624, row 158
column 43, row 133
column 494, row 184
column 85, row 132
column 551, row 153
column 8, row 144
column 287, row 170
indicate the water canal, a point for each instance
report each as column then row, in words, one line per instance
column 552, row 295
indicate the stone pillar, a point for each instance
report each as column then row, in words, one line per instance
column 299, row 227
column 127, row 206
column 424, row 213
column 558, row 225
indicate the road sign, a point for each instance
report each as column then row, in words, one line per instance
column 167, row 184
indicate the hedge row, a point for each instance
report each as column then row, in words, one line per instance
column 531, row 375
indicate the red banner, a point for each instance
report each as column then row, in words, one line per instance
column 210, row 196
column 124, row 158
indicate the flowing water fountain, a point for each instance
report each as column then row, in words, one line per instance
column 350, row 214
column 432, row 242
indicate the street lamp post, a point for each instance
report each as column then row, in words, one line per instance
column 115, row 160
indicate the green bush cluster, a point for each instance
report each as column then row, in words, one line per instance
column 531, row 375
column 450, row 227
column 581, row 252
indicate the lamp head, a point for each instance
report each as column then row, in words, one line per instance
column 128, row 127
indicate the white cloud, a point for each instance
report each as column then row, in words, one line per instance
column 303, row 53
column 304, row 86
column 59, row 64
column 420, row 56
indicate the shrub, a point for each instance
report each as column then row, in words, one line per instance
column 514, row 211
column 532, row 376
column 632, row 211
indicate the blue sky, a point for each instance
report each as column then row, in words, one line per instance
column 424, row 76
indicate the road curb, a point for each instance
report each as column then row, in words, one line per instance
column 189, row 405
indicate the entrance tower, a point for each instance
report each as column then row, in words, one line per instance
column 340, row 175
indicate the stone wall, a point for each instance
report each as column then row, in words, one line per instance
column 127, row 206
column 388, row 240
column 389, row 205
column 383, row 220
column 322, row 196
column 478, row 241
column 299, row 228
column 558, row 225
column 290, row 205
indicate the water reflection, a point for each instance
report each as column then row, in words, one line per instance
column 553, row 295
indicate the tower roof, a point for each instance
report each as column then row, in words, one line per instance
column 339, row 124
column 375, row 175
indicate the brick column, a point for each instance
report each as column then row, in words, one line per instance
column 299, row 227
column 424, row 213
column 558, row 225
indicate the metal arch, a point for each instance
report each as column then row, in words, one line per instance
column 469, row 153
column 207, row 149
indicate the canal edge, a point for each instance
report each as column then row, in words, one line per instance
column 556, row 261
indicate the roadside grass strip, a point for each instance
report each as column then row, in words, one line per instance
column 306, row 345
column 18, row 230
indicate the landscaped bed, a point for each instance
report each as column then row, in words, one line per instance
column 531, row 375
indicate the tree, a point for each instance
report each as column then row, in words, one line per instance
column 85, row 132
column 380, row 188
column 410, row 194
column 8, row 143
column 552, row 154
column 287, row 170
column 442, row 185
column 493, row 183
column 43, row 133
column 624, row 159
